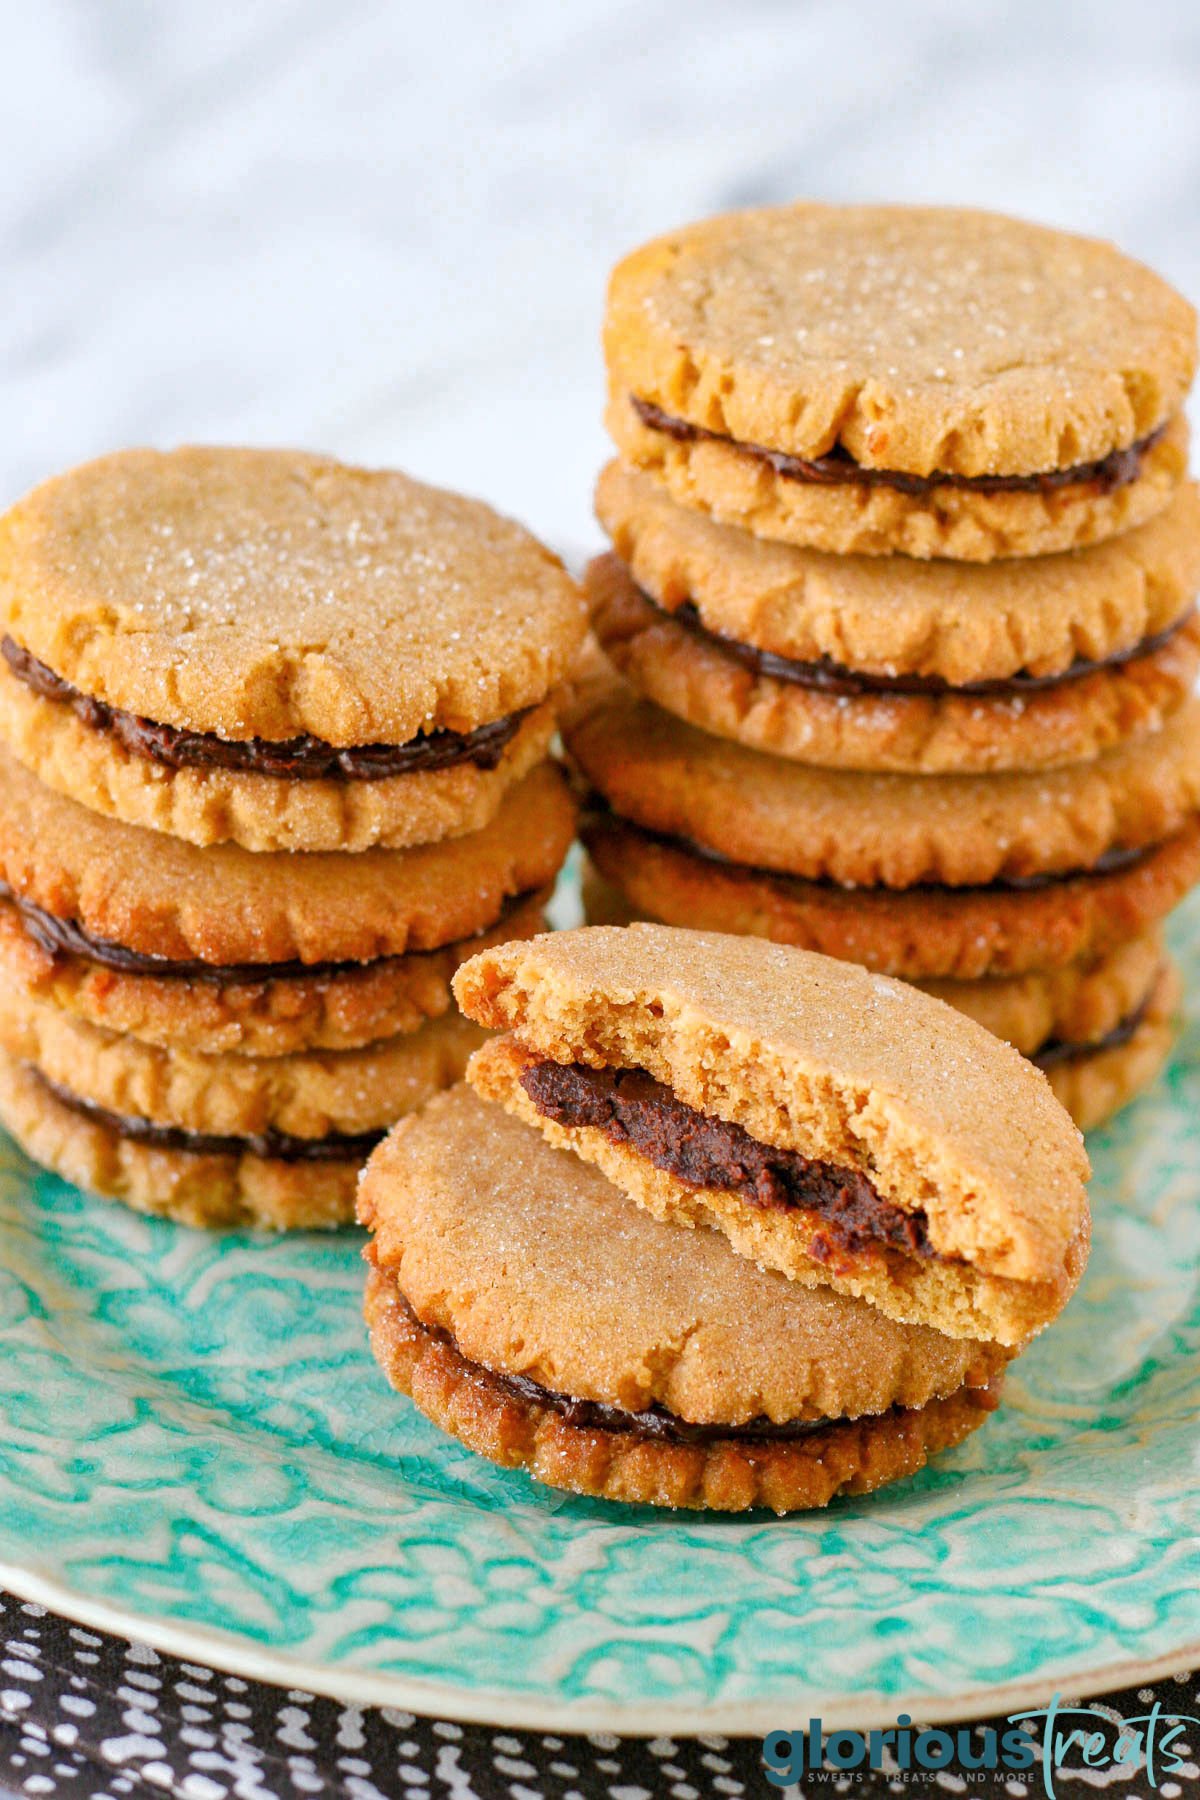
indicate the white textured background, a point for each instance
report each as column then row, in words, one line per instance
column 383, row 228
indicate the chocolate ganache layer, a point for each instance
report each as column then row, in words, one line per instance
column 829, row 677
column 1110, row 863
column 655, row 1422
column 65, row 937
column 839, row 469
column 303, row 758
column 1056, row 1051
column 631, row 1107
column 276, row 1146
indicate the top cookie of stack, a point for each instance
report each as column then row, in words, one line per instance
column 925, row 379
column 906, row 562
column 277, row 650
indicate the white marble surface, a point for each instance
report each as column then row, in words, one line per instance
column 383, row 228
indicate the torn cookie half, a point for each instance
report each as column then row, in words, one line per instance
column 837, row 1126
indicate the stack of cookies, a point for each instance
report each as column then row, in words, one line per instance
column 899, row 628
column 275, row 739
column 718, row 1223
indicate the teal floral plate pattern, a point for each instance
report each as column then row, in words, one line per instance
column 196, row 1448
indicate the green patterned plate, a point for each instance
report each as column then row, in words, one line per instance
column 197, row 1449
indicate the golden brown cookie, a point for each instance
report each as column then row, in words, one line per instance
column 835, row 722
column 223, row 1189
column 837, row 1126
column 926, row 379
column 531, row 1310
column 525, row 1429
column 1068, row 1008
column 272, row 593
column 1095, row 1085
column 213, row 805
column 862, row 829
column 742, row 489
column 224, row 907
column 942, row 620
column 335, row 1007
column 277, row 650
column 917, row 933
column 314, row 1094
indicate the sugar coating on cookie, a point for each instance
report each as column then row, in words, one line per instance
column 919, row 1149
column 269, row 594
column 926, row 340
column 533, row 1311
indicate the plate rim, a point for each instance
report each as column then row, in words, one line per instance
column 238, row 1656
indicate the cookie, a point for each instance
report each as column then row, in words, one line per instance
column 1071, row 1007
column 334, row 1007
column 877, row 378
column 836, row 1126
column 213, row 805
column 1067, row 1010
column 1094, row 1083
column 532, row 1311
column 313, row 1097
column 943, row 621
column 240, row 915
column 863, row 829
column 741, row 487
column 277, row 649
column 223, row 1189
column 839, row 721
column 918, row 933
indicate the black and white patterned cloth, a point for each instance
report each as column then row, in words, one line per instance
column 88, row 1717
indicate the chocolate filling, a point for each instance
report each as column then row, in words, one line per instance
column 829, row 677
column 278, row 1146
column 1110, row 863
column 64, row 937
column 1057, row 1051
column 631, row 1107
column 595, row 1415
column 657, row 1422
column 303, row 758
column 839, row 469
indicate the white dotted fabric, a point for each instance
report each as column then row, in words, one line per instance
column 87, row 1717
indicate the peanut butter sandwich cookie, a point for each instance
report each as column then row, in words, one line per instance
column 836, row 1126
column 919, row 933
column 277, row 650
column 224, row 950
column 892, row 664
column 859, row 829
column 932, row 380
column 212, row 1140
column 536, row 1314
